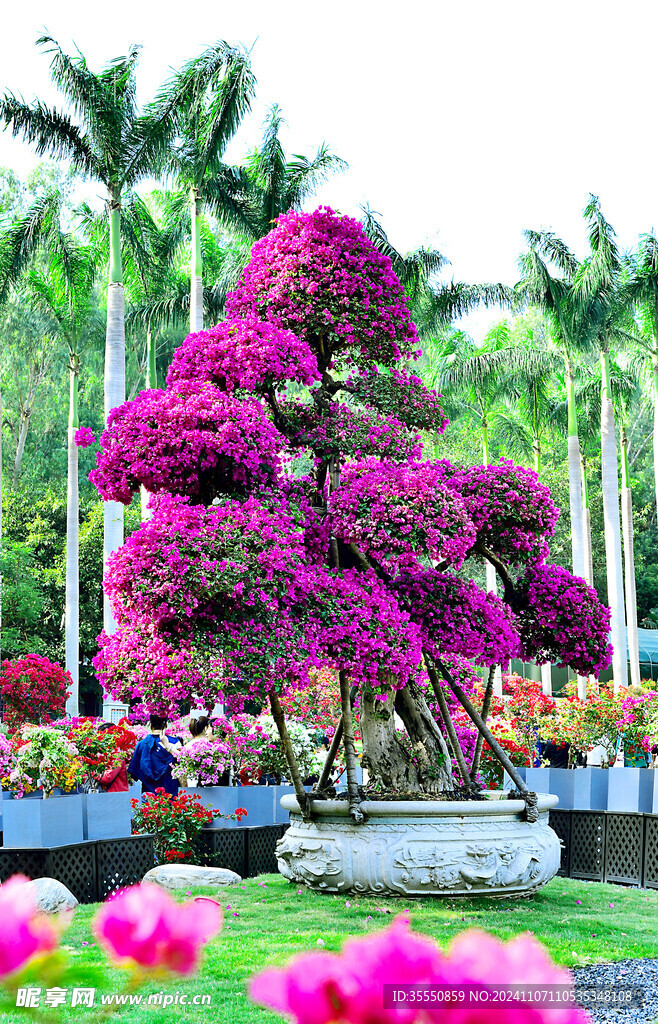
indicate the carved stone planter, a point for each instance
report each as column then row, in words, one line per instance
column 417, row 848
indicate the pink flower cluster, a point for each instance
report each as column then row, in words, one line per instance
column 319, row 275
column 324, row 988
column 345, row 432
column 397, row 514
column 245, row 355
column 145, row 925
column 191, row 440
column 513, row 512
column 83, row 437
column 138, row 664
column 25, row 933
column 561, row 619
column 400, row 394
column 457, row 617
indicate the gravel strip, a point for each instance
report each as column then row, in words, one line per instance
column 636, row 974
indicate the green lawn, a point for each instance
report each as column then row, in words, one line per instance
column 275, row 921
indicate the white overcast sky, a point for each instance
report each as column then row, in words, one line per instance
column 463, row 122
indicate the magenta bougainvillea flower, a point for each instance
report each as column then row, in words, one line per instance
column 145, row 925
column 243, row 355
column 83, row 437
column 323, row 988
column 319, row 275
column 25, row 933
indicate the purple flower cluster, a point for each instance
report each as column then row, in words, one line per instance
column 191, row 440
column 83, row 437
column 457, row 617
column 400, row 394
column 342, row 431
column 561, row 619
column 246, row 355
column 397, row 514
column 320, row 276
column 513, row 512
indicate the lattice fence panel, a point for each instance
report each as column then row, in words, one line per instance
column 22, row 862
column 260, row 849
column 624, row 841
column 229, row 849
column 560, row 822
column 587, row 845
column 122, row 862
column 75, row 866
column 650, row 878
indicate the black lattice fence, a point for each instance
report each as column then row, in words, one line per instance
column 224, row 848
column 75, row 866
column 650, row 873
column 560, row 822
column 32, row 863
column 587, row 845
column 261, row 843
column 624, row 848
column 122, row 862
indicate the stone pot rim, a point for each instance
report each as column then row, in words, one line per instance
column 421, row 808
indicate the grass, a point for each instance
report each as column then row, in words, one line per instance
column 274, row 921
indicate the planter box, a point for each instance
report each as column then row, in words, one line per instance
column 538, row 780
column 582, row 789
column 258, row 801
column 53, row 822
column 630, row 789
column 106, row 815
column 654, row 791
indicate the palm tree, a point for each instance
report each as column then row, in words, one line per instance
column 642, row 288
column 63, row 290
column 114, row 145
column 219, row 86
column 599, row 297
column 551, row 293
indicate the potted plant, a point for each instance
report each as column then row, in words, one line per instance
column 246, row 578
column 45, row 760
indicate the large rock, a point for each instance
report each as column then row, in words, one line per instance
column 184, row 876
column 53, row 896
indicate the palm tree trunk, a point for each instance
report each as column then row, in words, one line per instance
column 151, row 382
column 115, row 385
column 1, row 525
column 654, row 369
column 72, row 610
column 587, row 519
column 492, row 586
column 612, row 529
column 196, row 268
column 575, row 491
column 629, row 564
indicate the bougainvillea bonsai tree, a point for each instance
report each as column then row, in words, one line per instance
column 296, row 524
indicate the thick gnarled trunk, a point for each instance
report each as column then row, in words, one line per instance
column 387, row 762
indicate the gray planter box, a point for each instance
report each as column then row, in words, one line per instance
column 54, row 822
column 258, row 801
column 508, row 782
column 106, row 815
column 654, row 791
column 581, row 789
column 631, row 789
column 538, row 780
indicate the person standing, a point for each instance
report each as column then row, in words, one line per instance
column 153, row 759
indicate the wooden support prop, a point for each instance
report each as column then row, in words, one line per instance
column 486, row 705
column 295, row 777
column 350, row 750
column 449, row 724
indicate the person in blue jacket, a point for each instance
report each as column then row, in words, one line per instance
column 153, row 759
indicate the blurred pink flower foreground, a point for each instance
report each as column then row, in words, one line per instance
column 24, row 932
column 146, row 925
column 347, row 988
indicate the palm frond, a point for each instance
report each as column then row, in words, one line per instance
column 52, row 133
